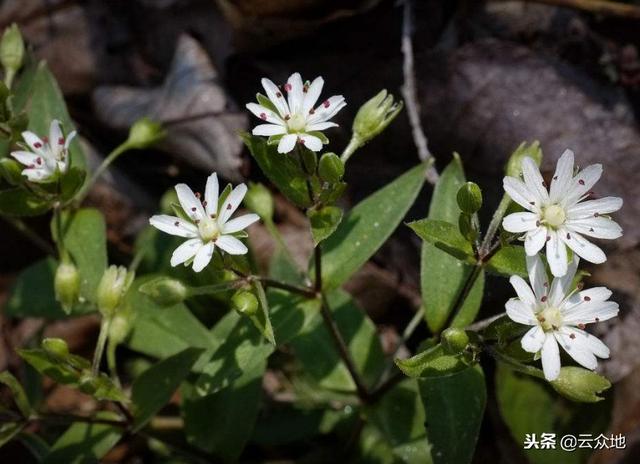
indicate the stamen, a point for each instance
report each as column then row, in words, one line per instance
column 597, row 319
column 204, row 203
column 229, row 206
column 546, row 284
column 287, row 87
column 548, row 238
column 278, row 94
column 301, row 141
column 579, row 286
column 544, row 298
column 197, row 221
column 555, row 177
column 312, row 111
column 198, row 195
column 305, row 88
column 213, row 215
column 45, row 139
column 596, row 214
column 176, row 223
column 590, row 229
column 61, row 141
column 263, row 116
column 31, row 166
column 581, row 326
column 193, row 209
column 581, row 182
column 568, row 236
column 544, row 184
column 287, row 117
column 538, row 223
column 586, row 298
column 326, row 103
column 532, row 202
column 572, row 336
column 37, row 145
column 39, row 160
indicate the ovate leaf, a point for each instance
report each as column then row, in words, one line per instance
column 444, row 236
column 509, row 260
column 324, row 222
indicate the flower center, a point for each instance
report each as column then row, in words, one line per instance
column 297, row 122
column 554, row 215
column 550, row 319
column 208, row 229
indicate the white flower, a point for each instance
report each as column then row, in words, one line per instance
column 48, row 156
column 560, row 217
column 208, row 227
column 294, row 119
column 558, row 316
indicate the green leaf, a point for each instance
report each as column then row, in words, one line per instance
column 262, row 319
column 19, row 202
column 317, row 352
column 85, row 237
column 444, row 236
column 71, row 182
column 509, row 260
column 35, row 444
column 324, row 222
column 19, row 396
column 84, row 443
column 454, row 406
column 8, row 431
column 432, row 362
column 154, row 388
column 291, row 314
column 367, row 226
column 400, row 418
column 281, row 169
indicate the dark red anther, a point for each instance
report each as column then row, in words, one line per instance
column 37, row 145
column 532, row 203
column 204, row 203
column 581, row 182
column 287, row 87
column 544, row 298
column 197, row 221
column 572, row 336
column 263, row 116
column 596, row 214
column 581, row 326
column 198, row 195
column 312, row 111
column 590, row 229
column 586, row 298
column 287, row 117
column 301, row 141
column 568, row 236
column 193, row 209
column 39, row 160
column 176, row 223
column 597, row 319
column 555, row 177
column 326, row 103
column 213, row 215
column 229, row 206
column 548, row 238
column 278, row 94
column 538, row 223
column 61, row 141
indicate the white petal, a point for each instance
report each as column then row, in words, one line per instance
column 311, row 142
column 584, row 248
column 312, row 95
column 190, row 204
column 295, row 94
column 239, row 223
column 581, row 184
column 534, row 240
column 520, row 312
column 590, row 207
column 589, row 312
column 275, row 95
column 37, row 175
column 232, row 202
column 34, row 142
column 550, row 357
column 519, row 193
column 55, row 137
column 287, row 143
column 327, row 109
column 520, row 222
column 532, row 341
column 167, row 224
column 556, row 254
column 265, row 114
column 595, row 294
column 561, row 286
column 319, row 126
column 26, row 157
column 590, row 342
column 70, row 137
column 523, row 290
column 597, row 227
column 562, row 177
column 533, row 180
column 577, row 349
column 537, row 276
column 211, row 192
column 231, row 245
column 186, row 251
column 269, row 130
column 203, row 256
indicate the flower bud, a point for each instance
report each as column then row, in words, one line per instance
column 454, row 341
column 120, row 326
column 331, row 168
column 581, row 385
column 11, row 171
column 374, row 116
column 11, row 52
column 114, row 284
column 514, row 165
column 87, row 383
column 165, row 291
column 56, row 347
column 145, row 133
column 259, row 200
column 245, row 303
column 469, row 198
column 67, row 285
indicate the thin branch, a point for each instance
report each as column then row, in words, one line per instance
column 411, row 95
column 606, row 7
column 308, row 292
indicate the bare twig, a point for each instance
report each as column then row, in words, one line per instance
column 411, row 95
column 606, row 7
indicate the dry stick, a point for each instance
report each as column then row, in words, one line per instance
column 411, row 95
column 605, row 7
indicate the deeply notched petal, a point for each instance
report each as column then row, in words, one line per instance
column 203, row 256
column 550, row 355
column 231, row 245
column 520, row 222
column 173, row 225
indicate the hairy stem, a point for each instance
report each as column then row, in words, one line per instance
column 496, row 220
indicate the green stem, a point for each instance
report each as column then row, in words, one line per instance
column 102, row 340
column 120, row 149
column 496, row 220
column 111, row 362
column 350, row 149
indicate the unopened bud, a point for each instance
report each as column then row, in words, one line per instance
column 579, row 384
column 114, row 284
column 56, row 347
column 145, row 133
column 259, row 200
column 469, row 198
column 87, row 383
column 514, row 165
column 245, row 303
column 67, row 285
column 11, row 171
column 331, row 168
column 374, row 116
column 454, row 341
column 165, row 291
column 120, row 326
column 11, row 52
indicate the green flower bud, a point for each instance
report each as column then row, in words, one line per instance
column 514, row 165
column 469, row 198
column 114, row 284
column 374, row 116
column 87, row 383
column 331, row 168
column 56, row 347
column 145, row 133
column 11, row 171
column 67, row 285
column 454, row 341
column 245, row 303
column 120, row 326
column 579, row 384
column 165, row 291
column 11, row 52
column 259, row 200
